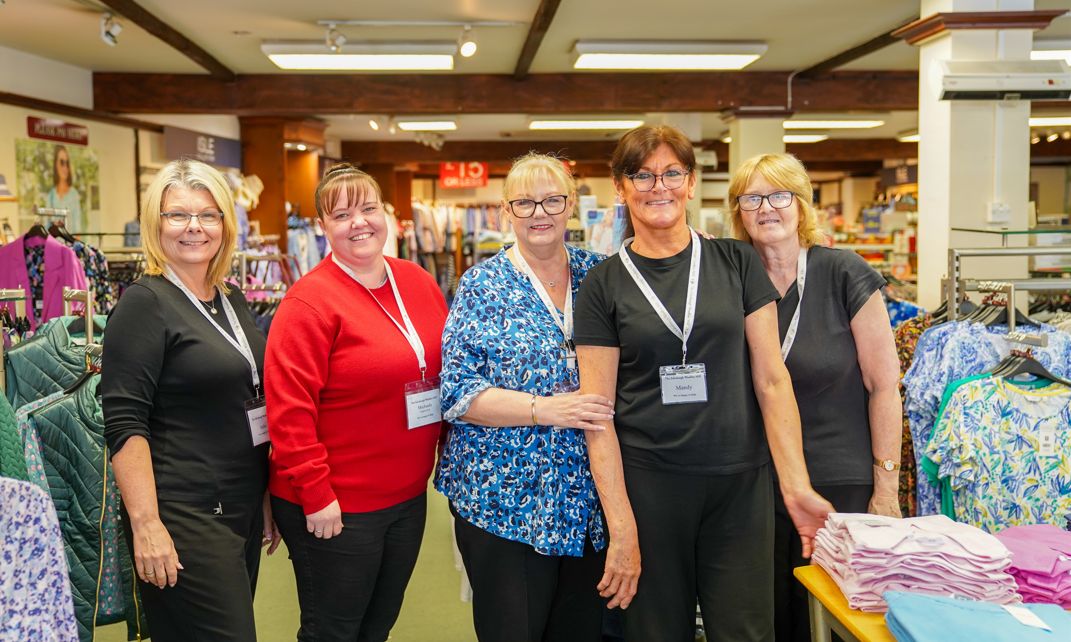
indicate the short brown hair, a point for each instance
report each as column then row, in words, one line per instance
column 344, row 177
column 636, row 145
column 786, row 172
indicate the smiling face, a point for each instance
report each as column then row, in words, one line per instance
column 357, row 231
column 659, row 208
column 540, row 230
column 192, row 246
column 768, row 225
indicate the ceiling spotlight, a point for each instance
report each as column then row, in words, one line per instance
column 110, row 28
column 392, row 128
column 1035, row 139
column 1052, row 137
column 374, row 124
column 1066, row 135
column 333, row 39
column 466, row 46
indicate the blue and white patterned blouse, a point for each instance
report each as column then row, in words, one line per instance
column 528, row 484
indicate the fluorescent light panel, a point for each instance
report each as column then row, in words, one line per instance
column 380, row 56
column 427, row 125
column 908, row 138
column 1056, row 54
column 584, row 124
column 804, row 138
column 1052, row 49
column 833, row 124
column 650, row 55
column 1051, row 121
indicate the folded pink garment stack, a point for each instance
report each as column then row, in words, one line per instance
column 867, row 555
column 1041, row 562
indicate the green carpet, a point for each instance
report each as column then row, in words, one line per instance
column 432, row 611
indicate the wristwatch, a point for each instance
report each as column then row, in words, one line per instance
column 886, row 464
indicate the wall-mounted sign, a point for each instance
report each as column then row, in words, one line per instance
column 57, row 130
column 214, row 150
column 899, row 175
column 462, row 175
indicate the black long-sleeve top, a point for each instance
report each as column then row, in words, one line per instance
column 171, row 377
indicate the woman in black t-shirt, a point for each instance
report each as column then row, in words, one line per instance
column 682, row 332
column 838, row 346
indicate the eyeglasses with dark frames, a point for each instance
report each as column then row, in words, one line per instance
column 526, row 207
column 646, row 181
column 777, row 200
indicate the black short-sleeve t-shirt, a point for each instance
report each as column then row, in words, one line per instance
column 824, row 365
column 725, row 434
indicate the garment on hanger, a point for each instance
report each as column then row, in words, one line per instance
column 42, row 267
column 49, row 362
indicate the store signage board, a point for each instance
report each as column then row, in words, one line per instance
column 900, row 175
column 214, row 150
column 462, row 175
column 57, row 130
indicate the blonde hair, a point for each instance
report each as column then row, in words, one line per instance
column 192, row 175
column 343, row 177
column 534, row 167
column 785, row 172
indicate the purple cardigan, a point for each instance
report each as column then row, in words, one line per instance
column 62, row 268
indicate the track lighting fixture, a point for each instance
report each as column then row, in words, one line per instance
column 110, row 28
column 333, row 39
column 1052, row 137
column 466, row 46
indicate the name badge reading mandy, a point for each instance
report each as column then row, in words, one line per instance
column 422, row 403
column 256, row 414
column 684, row 384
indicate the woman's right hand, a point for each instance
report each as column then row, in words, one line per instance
column 326, row 522
column 155, row 557
column 622, row 571
column 574, row 410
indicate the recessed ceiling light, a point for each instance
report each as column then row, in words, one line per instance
column 1050, row 121
column 386, row 56
column 727, row 139
column 833, row 124
column 804, row 138
column 593, row 124
column 374, row 124
column 1053, row 137
column 652, row 54
column 427, row 125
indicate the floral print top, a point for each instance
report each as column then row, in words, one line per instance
column 530, row 484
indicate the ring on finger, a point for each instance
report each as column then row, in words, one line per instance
column 150, row 573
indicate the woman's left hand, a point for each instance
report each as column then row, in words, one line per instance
column 271, row 536
column 882, row 504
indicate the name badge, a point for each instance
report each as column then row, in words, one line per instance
column 423, row 403
column 256, row 414
column 684, row 384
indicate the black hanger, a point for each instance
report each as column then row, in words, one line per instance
column 1019, row 363
column 37, row 231
column 59, row 230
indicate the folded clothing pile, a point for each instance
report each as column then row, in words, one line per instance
column 1041, row 562
column 926, row 618
column 867, row 555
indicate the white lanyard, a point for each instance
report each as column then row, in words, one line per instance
column 239, row 340
column 409, row 332
column 652, row 298
column 565, row 324
column 793, row 326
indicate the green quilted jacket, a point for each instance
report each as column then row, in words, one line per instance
column 49, row 362
column 12, row 454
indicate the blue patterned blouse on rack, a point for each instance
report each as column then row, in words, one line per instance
column 528, row 484
column 900, row 311
column 953, row 351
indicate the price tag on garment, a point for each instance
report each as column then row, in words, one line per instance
column 423, row 403
column 1026, row 617
column 1047, row 441
column 684, row 384
column 256, row 413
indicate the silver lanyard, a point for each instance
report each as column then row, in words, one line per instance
column 239, row 340
column 409, row 332
column 564, row 324
column 793, row 326
column 652, row 298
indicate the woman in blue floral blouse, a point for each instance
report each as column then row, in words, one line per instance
column 515, row 463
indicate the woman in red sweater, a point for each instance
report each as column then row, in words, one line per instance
column 352, row 369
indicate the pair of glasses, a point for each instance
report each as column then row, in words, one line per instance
column 777, row 200
column 64, row 162
column 526, row 207
column 646, row 181
column 182, row 219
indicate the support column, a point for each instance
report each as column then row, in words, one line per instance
column 974, row 156
column 403, row 194
column 263, row 154
column 754, row 135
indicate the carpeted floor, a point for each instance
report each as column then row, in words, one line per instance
column 433, row 610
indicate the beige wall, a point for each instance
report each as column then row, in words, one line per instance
column 1052, row 188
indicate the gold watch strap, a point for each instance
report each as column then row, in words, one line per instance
column 880, row 463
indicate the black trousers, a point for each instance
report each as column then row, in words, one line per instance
column 218, row 544
column 350, row 587
column 792, row 622
column 705, row 537
column 519, row 595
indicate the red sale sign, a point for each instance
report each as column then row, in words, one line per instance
column 462, row 175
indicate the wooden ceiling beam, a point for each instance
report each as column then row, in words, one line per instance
column 544, row 15
column 400, row 153
column 137, row 14
column 304, row 94
column 29, row 102
column 870, row 46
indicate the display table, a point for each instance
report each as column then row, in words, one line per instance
column 830, row 611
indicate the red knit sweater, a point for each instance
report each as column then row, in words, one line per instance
column 335, row 373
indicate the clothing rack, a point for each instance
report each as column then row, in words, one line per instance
column 958, row 285
column 17, row 296
column 71, row 295
column 1007, row 288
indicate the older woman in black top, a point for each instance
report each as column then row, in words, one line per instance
column 184, row 418
column 838, row 346
column 683, row 332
